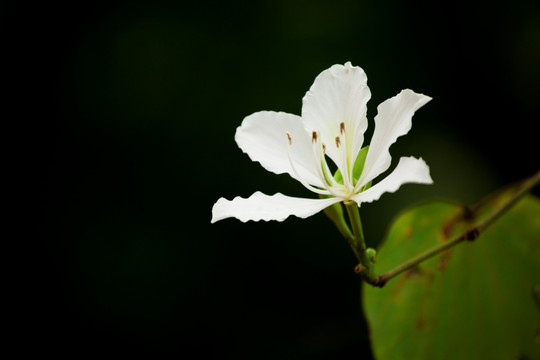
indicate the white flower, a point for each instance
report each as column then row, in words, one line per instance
column 332, row 127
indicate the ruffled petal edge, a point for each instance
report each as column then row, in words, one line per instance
column 260, row 206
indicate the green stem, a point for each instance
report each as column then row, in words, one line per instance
column 420, row 258
column 470, row 234
column 366, row 271
column 335, row 213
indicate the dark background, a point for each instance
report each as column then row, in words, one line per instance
column 127, row 113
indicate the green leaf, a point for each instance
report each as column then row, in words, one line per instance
column 473, row 301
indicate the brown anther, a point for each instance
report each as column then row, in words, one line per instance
column 342, row 128
column 324, row 149
column 338, row 141
column 289, row 137
column 314, row 137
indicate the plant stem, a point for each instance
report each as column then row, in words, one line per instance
column 420, row 258
column 366, row 271
column 470, row 234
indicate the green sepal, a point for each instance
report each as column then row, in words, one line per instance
column 357, row 168
column 367, row 186
column 335, row 213
column 359, row 163
column 338, row 177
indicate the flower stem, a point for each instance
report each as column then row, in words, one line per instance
column 366, row 269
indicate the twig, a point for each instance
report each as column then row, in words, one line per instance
column 470, row 234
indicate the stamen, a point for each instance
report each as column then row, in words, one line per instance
column 314, row 137
column 299, row 178
column 338, row 141
column 342, row 128
column 289, row 136
column 322, row 168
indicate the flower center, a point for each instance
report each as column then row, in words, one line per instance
column 336, row 184
column 343, row 182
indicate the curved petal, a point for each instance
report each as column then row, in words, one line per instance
column 263, row 136
column 408, row 170
column 394, row 118
column 339, row 94
column 260, row 206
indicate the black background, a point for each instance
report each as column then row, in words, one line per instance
column 125, row 116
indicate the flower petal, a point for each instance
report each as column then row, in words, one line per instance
column 339, row 94
column 408, row 170
column 263, row 136
column 260, row 206
column 394, row 118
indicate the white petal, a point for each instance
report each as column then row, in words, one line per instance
column 263, row 136
column 260, row 206
column 339, row 94
column 408, row 170
column 394, row 118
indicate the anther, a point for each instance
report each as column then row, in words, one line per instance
column 338, row 141
column 314, row 137
column 323, row 149
column 289, row 137
column 342, row 128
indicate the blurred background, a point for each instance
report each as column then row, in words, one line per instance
column 129, row 110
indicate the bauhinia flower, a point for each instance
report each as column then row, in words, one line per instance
column 328, row 135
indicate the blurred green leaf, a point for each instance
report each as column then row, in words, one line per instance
column 473, row 301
